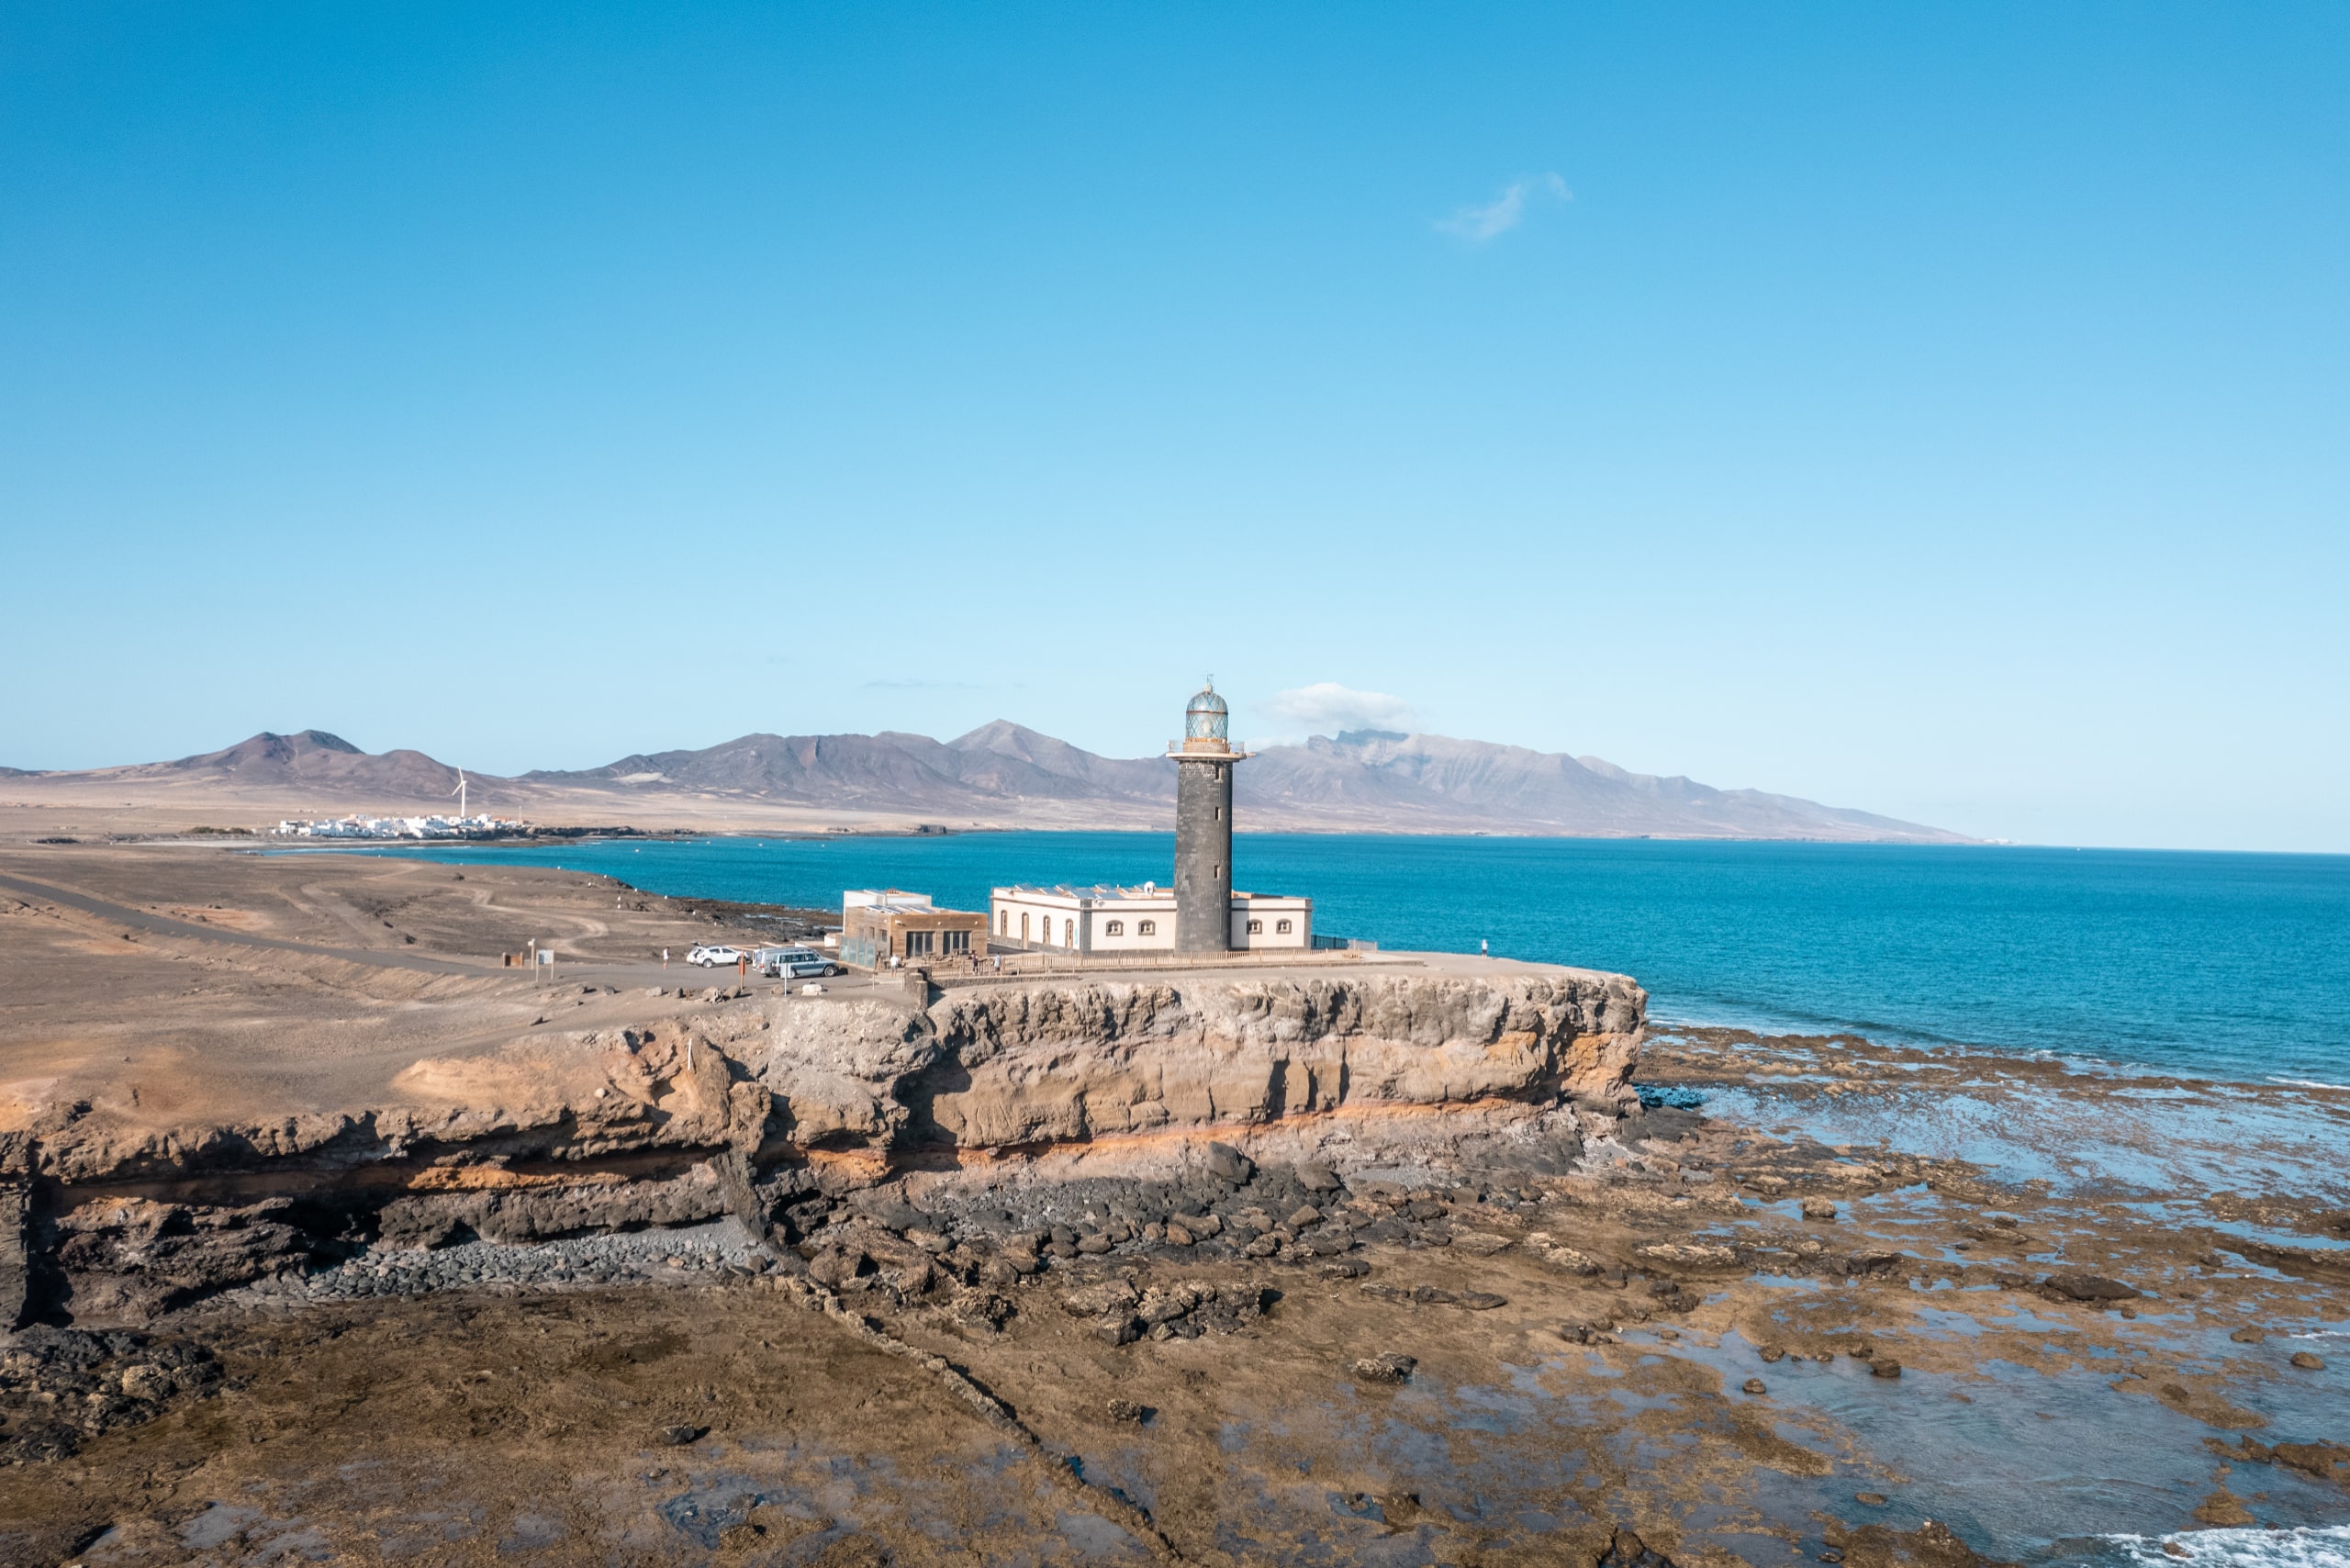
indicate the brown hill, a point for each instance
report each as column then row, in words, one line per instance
column 1002, row 774
column 310, row 761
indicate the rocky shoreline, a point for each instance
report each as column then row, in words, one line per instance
column 1660, row 1248
column 1406, row 1265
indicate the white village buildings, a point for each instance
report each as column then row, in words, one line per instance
column 399, row 828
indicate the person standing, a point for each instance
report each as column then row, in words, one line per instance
column 664, row 957
column 1484, row 948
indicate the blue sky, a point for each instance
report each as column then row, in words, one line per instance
column 1938, row 410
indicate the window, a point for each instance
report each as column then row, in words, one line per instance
column 1069, row 933
column 1216, row 814
column 1281, row 928
column 1145, row 928
column 1255, row 928
column 1023, row 926
column 918, row 943
column 960, row 941
column 1113, row 928
column 1003, row 923
column 1218, row 876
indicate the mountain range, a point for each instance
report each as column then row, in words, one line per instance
column 1001, row 775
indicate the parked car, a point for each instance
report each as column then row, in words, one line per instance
column 793, row 963
column 711, row 956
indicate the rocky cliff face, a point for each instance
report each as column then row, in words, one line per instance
column 1023, row 1066
column 754, row 1103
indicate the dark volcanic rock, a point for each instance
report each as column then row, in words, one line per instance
column 1228, row 1164
column 1932, row 1545
column 2087, row 1287
column 1626, row 1550
column 2328, row 1461
column 59, row 1387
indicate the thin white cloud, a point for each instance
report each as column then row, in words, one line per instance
column 1326, row 708
column 1505, row 212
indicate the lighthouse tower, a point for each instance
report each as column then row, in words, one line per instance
column 1203, row 761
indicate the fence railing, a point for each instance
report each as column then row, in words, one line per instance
column 1033, row 964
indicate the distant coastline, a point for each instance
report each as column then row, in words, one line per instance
column 1001, row 776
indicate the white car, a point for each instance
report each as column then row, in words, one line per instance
column 710, row 957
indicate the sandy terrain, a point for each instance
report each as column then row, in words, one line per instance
column 34, row 808
column 175, row 985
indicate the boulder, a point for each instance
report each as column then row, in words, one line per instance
column 2087, row 1287
column 1226, row 1163
column 1095, row 1301
column 1626, row 1550
column 1691, row 1254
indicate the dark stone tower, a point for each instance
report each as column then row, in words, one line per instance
column 1203, row 761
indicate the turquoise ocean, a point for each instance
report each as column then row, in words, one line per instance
column 2230, row 966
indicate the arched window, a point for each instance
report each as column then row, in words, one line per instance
column 1023, row 926
column 1146, row 928
column 1113, row 928
column 1255, row 928
column 1003, row 923
column 1281, row 927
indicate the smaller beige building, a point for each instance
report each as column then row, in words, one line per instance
column 1111, row 920
column 880, row 925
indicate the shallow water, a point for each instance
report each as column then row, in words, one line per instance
column 2216, row 1138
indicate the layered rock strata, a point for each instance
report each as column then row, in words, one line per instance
column 759, row 1104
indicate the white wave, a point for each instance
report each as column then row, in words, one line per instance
column 2307, row 1082
column 2327, row 1547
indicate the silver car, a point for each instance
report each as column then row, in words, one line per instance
column 793, row 963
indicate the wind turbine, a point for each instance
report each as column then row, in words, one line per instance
column 460, row 792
